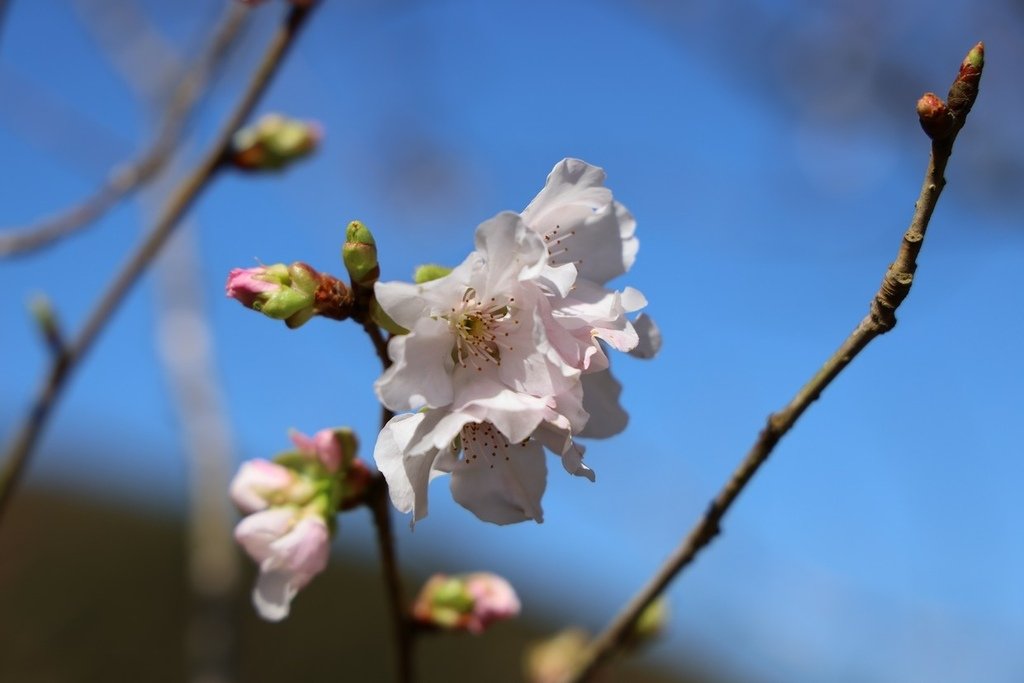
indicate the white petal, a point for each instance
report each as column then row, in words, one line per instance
column 581, row 222
column 649, row 337
column 257, row 532
column 272, row 596
column 572, row 461
column 512, row 252
column 420, row 374
column 601, row 393
column 407, row 474
column 408, row 303
column 388, row 454
column 633, row 299
column 498, row 482
column 295, row 559
column 401, row 301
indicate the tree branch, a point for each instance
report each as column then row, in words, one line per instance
column 880, row 319
column 128, row 177
column 380, row 506
column 24, row 440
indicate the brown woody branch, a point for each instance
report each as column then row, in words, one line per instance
column 22, row 444
column 881, row 318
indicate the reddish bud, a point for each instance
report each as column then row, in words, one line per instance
column 935, row 116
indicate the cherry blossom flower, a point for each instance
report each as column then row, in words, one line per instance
column 290, row 548
column 479, row 336
column 505, row 355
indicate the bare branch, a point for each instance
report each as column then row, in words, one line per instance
column 881, row 319
column 26, row 436
column 130, row 176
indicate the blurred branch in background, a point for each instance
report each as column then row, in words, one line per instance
column 844, row 68
column 3, row 16
column 942, row 122
column 185, row 344
column 27, row 434
column 131, row 175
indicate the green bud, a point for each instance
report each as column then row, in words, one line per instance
column 360, row 254
column 452, row 594
column 304, row 278
column 428, row 272
column 300, row 318
column 273, row 142
column 284, row 303
column 652, row 620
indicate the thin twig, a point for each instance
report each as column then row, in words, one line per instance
column 381, row 508
column 129, row 177
column 881, row 319
column 21, row 446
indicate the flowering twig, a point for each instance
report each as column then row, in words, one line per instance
column 941, row 121
column 130, row 176
column 21, row 446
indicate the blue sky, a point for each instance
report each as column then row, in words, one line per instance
column 771, row 181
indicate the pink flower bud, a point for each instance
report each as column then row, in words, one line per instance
column 469, row 602
column 325, row 445
column 249, row 285
column 290, row 549
column 261, row 483
column 494, row 599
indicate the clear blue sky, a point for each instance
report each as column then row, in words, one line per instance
column 772, row 163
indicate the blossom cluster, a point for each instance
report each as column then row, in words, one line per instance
column 290, row 504
column 505, row 356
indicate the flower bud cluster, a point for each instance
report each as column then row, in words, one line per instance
column 292, row 293
column 466, row 602
column 290, row 504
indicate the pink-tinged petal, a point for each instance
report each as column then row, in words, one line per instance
column 497, row 481
column 421, row 372
column 327, row 449
column 296, row 558
column 624, row 339
column 256, row 482
column 581, row 223
column 245, row 285
column 649, row 337
column 257, row 532
column 323, row 446
column 601, row 393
